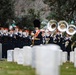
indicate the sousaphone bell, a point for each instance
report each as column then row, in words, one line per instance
column 71, row 29
column 52, row 25
column 62, row 26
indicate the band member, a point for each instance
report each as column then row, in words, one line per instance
column 36, row 34
column 43, row 36
column 57, row 37
column 47, row 36
column 68, row 43
column 62, row 43
column 50, row 38
column 73, row 45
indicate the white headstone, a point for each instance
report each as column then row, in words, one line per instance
column 64, row 57
column 72, row 56
column 75, row 57
column 20, row 59
column 33, row 64
column 47, row 59
column 16, row 52
column 0, row 51
column 60, row 57
column 10, row 57
column 27, row 53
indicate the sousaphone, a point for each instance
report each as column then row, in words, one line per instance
column 52, row 25
column 71, row 29
column 62, row 26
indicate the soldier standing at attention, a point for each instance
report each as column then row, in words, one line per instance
column 68, row 43
column 36, row 34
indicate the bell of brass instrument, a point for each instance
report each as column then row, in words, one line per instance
column 62, row 26
column 52, row 25
column 71, row 30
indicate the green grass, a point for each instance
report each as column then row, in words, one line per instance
column 67, row 69
column 11, row 68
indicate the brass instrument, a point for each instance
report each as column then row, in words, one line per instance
column 71, row 30
column 52, row 25
column 62, row 26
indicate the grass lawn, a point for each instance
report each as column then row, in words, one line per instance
column 10, row 68
column 67, row 69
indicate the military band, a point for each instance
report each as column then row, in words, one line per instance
column 16, row 37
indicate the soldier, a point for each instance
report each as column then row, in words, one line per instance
column 43, row 36
column 16, row 36
column 36, row 34
column 62, row 43
column 68, row 43
column 57, row 37
column 4, row 43
column 20, row 38
column 11, row 40
column 73, row 45
column 26, row 38
column 50, row 38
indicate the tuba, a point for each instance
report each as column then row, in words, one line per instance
column 71, row 29
column 62, row 26
column 52, row 25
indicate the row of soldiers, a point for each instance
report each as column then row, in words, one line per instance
column 13, row 38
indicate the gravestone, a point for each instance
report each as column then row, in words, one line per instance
column 0, row 51
column 27, row 54
column 10, row 57
column 47, row 59
column 72, row 56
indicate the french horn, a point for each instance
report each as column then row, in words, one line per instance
column 62, row 26
column 52, row 25
column 71, row 29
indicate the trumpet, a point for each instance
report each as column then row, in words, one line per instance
column 52, row 25
column 62, row 26
column 71, row 29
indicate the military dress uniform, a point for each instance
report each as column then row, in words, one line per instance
column 50, row 40
column 16, row 37
column 37, row 37
column 57, row 39
column 68, row 43
column 11, row 41
column 20, row 39
column 5, row 45
column 74, row 46
column 44, row 40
